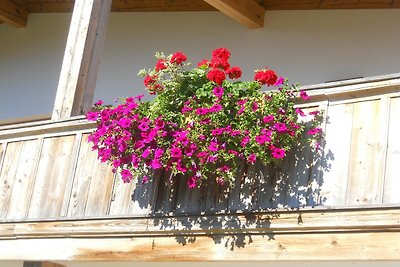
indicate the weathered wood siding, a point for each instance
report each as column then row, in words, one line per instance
column 48, row 170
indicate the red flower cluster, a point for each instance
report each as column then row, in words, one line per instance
column 151, row 83
column 267, row 77
column 178, row 58
column 220, row 66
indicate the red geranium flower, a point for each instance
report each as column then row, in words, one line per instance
column 267, row 77
column 160, row 65
column 178, row 58
column 216, row 75
column 234, row 72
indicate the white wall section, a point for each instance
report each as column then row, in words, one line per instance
column 307, row 46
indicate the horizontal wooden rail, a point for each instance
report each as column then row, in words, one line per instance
column 338, row 234
column 279, row 222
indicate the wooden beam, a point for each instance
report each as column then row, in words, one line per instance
column 296, row 247
column 248, row 12
column 13, row 13
column 311, row 221
column 309, row 234
column 82, row 58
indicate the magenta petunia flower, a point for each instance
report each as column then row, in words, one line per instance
column 217, row 132
column 252, row 158
column 268, row 118
column 218, row 92
column 254, row 107
column 215, row 108
column 126, row 176
column 314, row 131
column 202, row 111
column 304, row 95
column 175, row 152
column 213, row 146
column 92, row 116
column 278, row 153
column 280, row 81
column 143, row 126
column 99, row 103
column 125, row 122
column 155, row 164
column 245, row 140
column 300, row 112
column 224, row 168
column 262, row 139
column 192, row 182
column 146, row 153
column 280, row 127
column 158, row 153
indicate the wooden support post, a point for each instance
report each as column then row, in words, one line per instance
column 13, row 13
column 82, row 57
column 246, row 12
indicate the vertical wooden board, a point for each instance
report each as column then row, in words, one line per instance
column 2, row 151
column 337, row 155
column 55, row 169
column 392, row 181
column 7, row 175
column 82, row 179
column 24, row 179
column 366, row 163
column 100, row 190
column 121, row 200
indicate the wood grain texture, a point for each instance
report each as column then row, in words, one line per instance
column 248, row 13
column 92, row 184
column 366, row 164
column 13, row 13
column 338, row 143
column 392, row 181
column 54, row 172
column 17, row 180
column 81, row 58
column 299, row 247
column 40, row 6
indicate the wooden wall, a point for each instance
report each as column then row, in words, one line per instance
column 48, row 170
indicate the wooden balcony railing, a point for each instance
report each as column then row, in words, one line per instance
column 48, row 169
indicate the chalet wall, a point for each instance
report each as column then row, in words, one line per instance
column 308, row 46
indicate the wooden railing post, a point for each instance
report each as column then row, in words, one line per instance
column 82, row 57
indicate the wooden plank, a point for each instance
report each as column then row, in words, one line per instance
column 100, row 189
column 337, row 155
column 392, row 181
column 327, row 4
column 81, row 59
column 24, row 179
column 248, row 13
column 7, row 175
column 2, row 153
column 276, row 222
column 366, row 163
column 13, row 13
column 296, row 247
column 54, row 172
column 13, row 132
column 19, row 180
column 87, row 160
column 41, row 6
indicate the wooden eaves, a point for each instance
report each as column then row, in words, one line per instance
column 248, row 12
